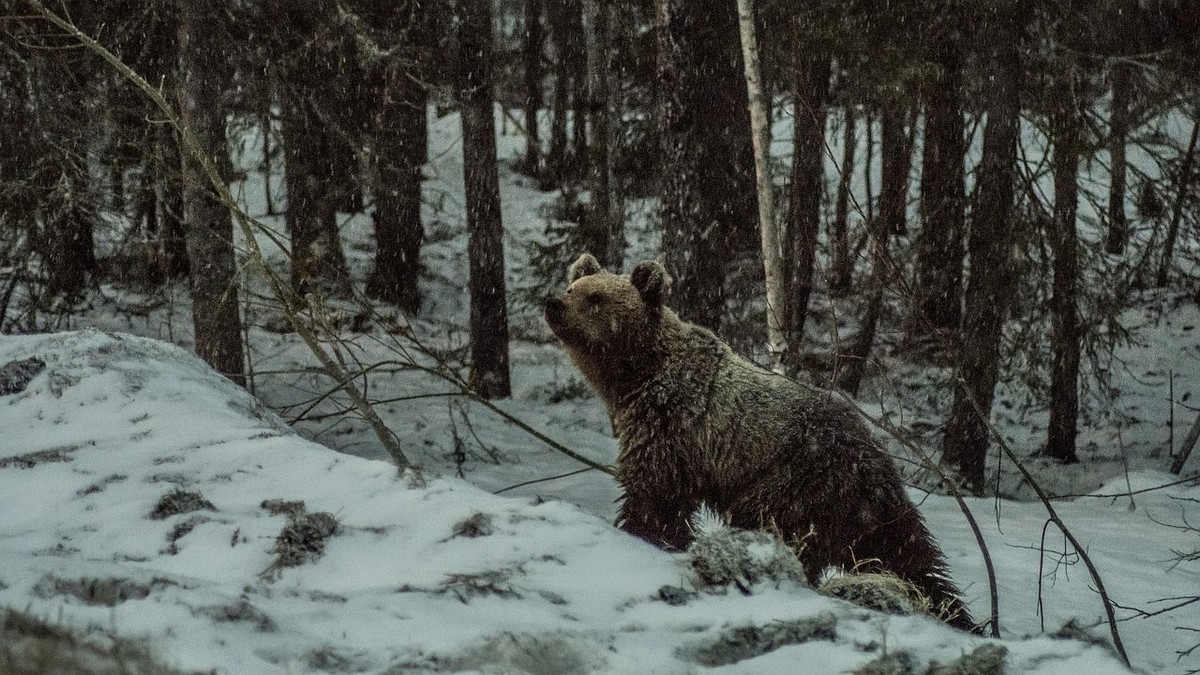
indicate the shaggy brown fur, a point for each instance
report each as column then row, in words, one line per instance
column 697, row 424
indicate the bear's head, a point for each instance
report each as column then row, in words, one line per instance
column 602, row 314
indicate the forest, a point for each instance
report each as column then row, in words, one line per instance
column 976, row 220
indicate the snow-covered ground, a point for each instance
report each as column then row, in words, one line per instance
column 417, row 576
column 444, row 574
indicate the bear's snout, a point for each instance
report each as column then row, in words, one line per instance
column 556, row 311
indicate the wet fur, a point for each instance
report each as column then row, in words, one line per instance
column 698, row 424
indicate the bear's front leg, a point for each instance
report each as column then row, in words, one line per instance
column 658, row 514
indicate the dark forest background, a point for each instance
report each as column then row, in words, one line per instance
column 958, row 254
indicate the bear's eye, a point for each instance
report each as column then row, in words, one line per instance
column 595, row 298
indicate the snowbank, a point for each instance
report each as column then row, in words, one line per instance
column 144, row 496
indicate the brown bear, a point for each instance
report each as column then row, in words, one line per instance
column 697, row 424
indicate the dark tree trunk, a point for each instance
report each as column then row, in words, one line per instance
column 613, row 131
column 1182, row 189
column 810, row 93
column 146, row 218
column 852, row 365
column 161, row 160
column 596, row 224
column 939, row 265
column 532, row 53
column 485, row 245
column 893, row 190
column 580, row 95
column 168, row 189
column 343, row 168
column 305, row 75
column 1066, row 120
column 207, row 223
column 264, row 123
column 989, row 246
column 399, row 141
column 565, row 19
column 556, row 159
column 348, row 117
column 1118, row 224
column 842, row 265
column 605, row 233
column 317, row 261
column 709, row 204
column 68, row 246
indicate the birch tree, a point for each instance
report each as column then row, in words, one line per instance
column 760, row 127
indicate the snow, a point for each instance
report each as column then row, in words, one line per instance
column 117, row 420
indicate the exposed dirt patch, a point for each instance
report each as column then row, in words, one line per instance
column 747, row 642
column 16, row 375
column 108, row 592
column 302, row 539
column 284, row 507
column 239, row 612
column 478, row 525
column 31, row 646
column 179, row 501
column 100, row 485
column 32, row 459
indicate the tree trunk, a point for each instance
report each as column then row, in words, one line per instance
column 532, row 59
column 318, row 263
column 868, row 172
column 579, row 84
column 146, row 217
column 842, row 265
column 1118, row 224
column 604, row 233
column 618, row 28
column 68, row 251
column 810, row 93
column 1066, row 120
column 1182, row 189
column 566, row 32
column 893, row 190
column 989, row 246
column 168, row 190
column 690, row 229
column 264, row 123
column 709, row 207
column 399, row 130
column 852, row 365
column 207, row 223
column 1185, row 450
column 581, row 96
column 939, row 260
column 485, row 244
column 760, row 123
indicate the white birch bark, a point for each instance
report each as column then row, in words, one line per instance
column 761, row 130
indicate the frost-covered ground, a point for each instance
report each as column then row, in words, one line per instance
column 546, row 585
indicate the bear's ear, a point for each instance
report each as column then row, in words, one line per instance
column 650, row 279
column 585, row 265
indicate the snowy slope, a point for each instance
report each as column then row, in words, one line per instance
column 433, row 576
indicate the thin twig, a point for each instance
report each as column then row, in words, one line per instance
column 927, row 464
column 543, row 480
